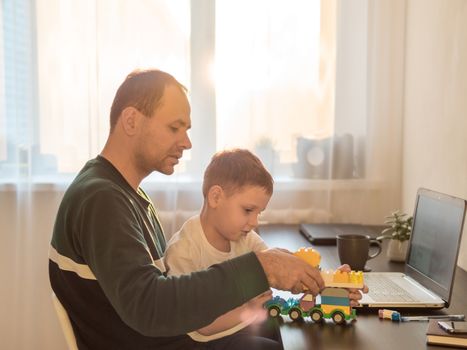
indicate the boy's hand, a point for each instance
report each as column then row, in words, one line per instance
column 257, row 302
column 287, row 272
column 254, row 310
column 354, row 294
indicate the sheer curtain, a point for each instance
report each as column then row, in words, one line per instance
column 84, row 50
column 314, row 88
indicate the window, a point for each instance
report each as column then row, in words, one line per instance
column 261, row 76
column 70, row 57
column 17, row 90
column 274, row 77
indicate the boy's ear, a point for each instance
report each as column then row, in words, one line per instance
column 215, row 195
column 130, row 118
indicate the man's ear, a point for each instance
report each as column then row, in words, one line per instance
column 215, row 195
column 129, row 119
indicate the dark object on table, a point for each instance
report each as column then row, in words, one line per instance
column 325, row 234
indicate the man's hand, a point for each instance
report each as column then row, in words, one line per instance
column 287, row 272
column 354, row 294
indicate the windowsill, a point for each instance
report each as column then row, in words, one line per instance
column 49, row 186
column 324, row 184
column 60, row 184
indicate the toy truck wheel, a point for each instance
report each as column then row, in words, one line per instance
column 274, row 311
column 317, row 316
column 295, row 314
column 338, row 317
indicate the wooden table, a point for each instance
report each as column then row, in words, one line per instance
column 368, row 332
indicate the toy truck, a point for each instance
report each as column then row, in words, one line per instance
column 335, row 302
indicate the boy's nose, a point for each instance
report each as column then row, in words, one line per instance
column 253, row 222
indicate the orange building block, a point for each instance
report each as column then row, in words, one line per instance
column 309, row 255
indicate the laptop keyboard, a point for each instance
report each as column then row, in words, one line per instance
column 383, row 289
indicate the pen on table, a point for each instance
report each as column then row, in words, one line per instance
column 427, row 318
column 397, row 317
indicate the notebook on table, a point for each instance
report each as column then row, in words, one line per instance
column 431, row 260
column 435, row 335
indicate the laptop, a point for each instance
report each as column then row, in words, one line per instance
column 325, row 234
column 431, row 259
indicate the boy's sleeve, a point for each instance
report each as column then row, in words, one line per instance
column 179, row 258
column 255, row 242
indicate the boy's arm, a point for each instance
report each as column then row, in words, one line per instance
column 227, row 321
column 247, row 313
column 178, row 261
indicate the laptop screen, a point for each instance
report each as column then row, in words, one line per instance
column 435, row 241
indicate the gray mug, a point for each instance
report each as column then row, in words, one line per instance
column 355, row 250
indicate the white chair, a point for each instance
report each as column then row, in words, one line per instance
column 65, row 323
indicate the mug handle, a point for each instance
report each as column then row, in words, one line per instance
column 376, row 243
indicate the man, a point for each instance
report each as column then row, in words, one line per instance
column 105, row 258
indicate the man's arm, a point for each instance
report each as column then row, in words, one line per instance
column 287, row 272
column 146, row 300
column 155, row 305
column 272, row 261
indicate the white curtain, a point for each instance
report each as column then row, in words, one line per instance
column 313, row 87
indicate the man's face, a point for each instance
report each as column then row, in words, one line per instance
column 163, row 136
column 237, row 214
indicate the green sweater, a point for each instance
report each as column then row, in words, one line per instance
column 107, row 243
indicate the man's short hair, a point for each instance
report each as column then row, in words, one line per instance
column 143, row 90
column 234, row 169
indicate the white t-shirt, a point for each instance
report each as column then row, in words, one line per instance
column 188, row 250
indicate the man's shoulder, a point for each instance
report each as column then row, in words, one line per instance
column 85, row 186
column 93, row 198
column 93, row 183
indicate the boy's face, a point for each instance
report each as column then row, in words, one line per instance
column 237, row 213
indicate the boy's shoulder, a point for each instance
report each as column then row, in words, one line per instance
column 184, row 250
column 188, row 232
column 251, row 242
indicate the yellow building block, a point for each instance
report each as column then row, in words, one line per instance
column 356, row 277
column 336, row 278
column 328, row 276
column 341, row 277
column 309, row 255
column 330, row 308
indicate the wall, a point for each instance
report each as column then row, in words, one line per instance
column 435, row 113
column 27, row 319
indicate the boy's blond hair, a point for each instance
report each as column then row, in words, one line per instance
column 234, row 169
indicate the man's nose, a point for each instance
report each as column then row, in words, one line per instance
column 186, row 142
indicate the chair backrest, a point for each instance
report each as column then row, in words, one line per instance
column 65, row 323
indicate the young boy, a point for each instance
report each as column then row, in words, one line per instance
column 236, row 189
